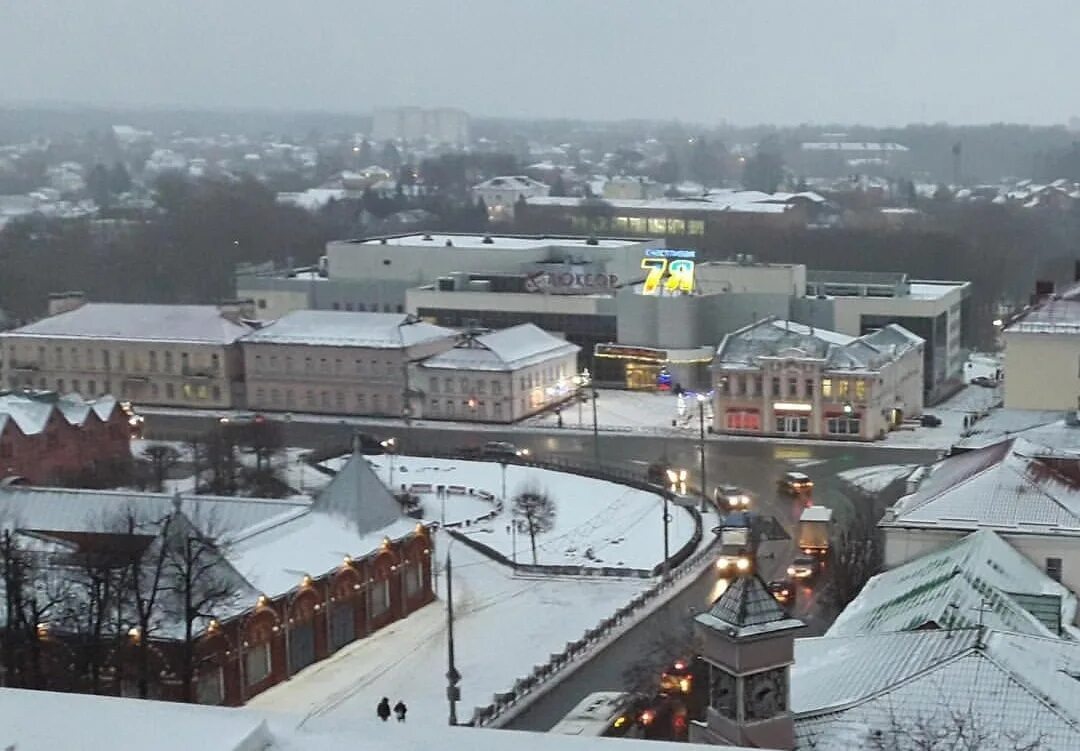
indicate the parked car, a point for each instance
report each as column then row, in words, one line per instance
column 984, row 381
column 796, row 483
column 930, row 421
column 802, row 568
column 502, row 450
column 731, row 498
column 783, row 591
column 241, row 418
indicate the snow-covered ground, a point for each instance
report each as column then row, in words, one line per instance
column 876, row 478
column 597, row 523
column 629, row 411
column 504, row 625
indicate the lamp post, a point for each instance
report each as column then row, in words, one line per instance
column 453, row 677
column 701, row 446
column 595, row 430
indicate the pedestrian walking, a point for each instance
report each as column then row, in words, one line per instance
column 383, row 710
column 399, row 710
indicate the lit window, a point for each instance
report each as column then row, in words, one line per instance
column 695, row 227
column 842, row 389
column 860, row 390
column 826, row 387
column 676, row 227
column 657, row 226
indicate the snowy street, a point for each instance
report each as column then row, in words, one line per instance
column 503, row 626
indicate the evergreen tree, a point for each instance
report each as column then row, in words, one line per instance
column 119, row 179
column 558, row 187
column 765, row 169
column 98, row 184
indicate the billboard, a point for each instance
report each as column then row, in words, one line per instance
column 671, row 270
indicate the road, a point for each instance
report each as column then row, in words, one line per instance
column 754, row 465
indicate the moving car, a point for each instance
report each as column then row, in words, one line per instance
column 815, row 531
column 135, row 420
column 241, row 418
column 736, row 545
column 984, row 381
column 502, row 450
column 796, row 483
column 930, row 421
column 783, row 591
column 803, row 567
column 731, row 498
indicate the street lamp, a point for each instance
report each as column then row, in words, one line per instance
column 453, row 677
column 390, row 444
column 701, row 445
column 595, row 429
column 506, row 505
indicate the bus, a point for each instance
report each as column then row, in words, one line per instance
column 605, row 713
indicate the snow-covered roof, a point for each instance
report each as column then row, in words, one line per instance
column 28, row 722
column 852, row 146
column 850, row 691
column 512, row 182
column 747, row 608
column 719, row 202
column 1054, row 316
column 977, row 579
column 496, row 242
column 31, row 411
column 776, row 338
column 509, row 349
column 334, row 328
column 203, row 324
column 1014, row 486
column 932, row 290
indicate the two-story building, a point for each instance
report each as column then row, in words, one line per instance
column 338, row 362
column 776, row 377
column 167, row 355
column 498, row 376
column 1042, row 354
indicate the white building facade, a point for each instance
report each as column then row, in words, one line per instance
column 502, row 376
column 1042, row 355
column 501, row 194
column 781, row 378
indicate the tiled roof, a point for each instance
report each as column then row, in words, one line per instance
column 745, row 608
column 976, row 580
column 201, row 324
column 849, row 692
column 508, row 349
column 776, row 338
column 1012, row 486
column 333, row 328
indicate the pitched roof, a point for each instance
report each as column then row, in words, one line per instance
column 852, row 690
column 746, row 608
column 509, row 349
column 980, row 579
column 333, row 328
column 772, row 337
column 201, row 324
column 1010, row 487
column 31, row 410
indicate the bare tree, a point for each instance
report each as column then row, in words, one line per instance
column 202, row 585
column 160, row 458
column 533, row 511
column 858, row 550
column 950, row 730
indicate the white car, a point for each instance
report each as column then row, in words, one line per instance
column 731, row 497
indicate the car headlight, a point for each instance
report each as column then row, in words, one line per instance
column 791, row 571
column 723, row 563
column 742, row 564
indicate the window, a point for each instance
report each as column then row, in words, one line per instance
column 433, row 385
column 91, row 388
column 307, row 364
column 657, row 226
column 742, row 420
column 60, row 385
column 842, row 388
column 273, row 363
column 288, row 364
column 275, row 397
column 215, row 363
column 324, row 400
column 793, row 387
column 809, row 388
column 211, row 687
column 105, row 360
column 844, row 425
column 185, row 361
column 826, row 388
column 448, row 385
column 74, row 357
column 496, row 387
column 676, row 227
column 260, row 395
column 338, row 367
column 170, row 391
column 59, row 356
column 414, row 578
column 776, row 387
column 339, row 401
column 290, row 401
column 1053, row 568
column 77, row 387
column 359, row 367
column 380, row 597
column 257, row 663
column 258, row 363
column 464, row 385
column 695, row 227
column 153, row 361
column 215, row 391
column 153, row 388
column 361, row 403
column 309, row 399
column 336, row 306
column 168, row 362
column 481, row 386
column 376, row 404
column 348, row 306
column 261, row 302
column 860, row 390
column 324, row 365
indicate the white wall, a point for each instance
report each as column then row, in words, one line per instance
column 1042, row 371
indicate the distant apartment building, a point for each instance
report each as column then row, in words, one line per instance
column 497, row 376
column 782, row 378
column 47, row 437
column 501, row 194
column 165, row 355
column 860, row 302
column 339, row 362
column 443, row 125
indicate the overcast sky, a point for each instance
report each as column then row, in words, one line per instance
column 790, row 61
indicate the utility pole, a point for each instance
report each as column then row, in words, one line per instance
column 595, row 430
column 453, row 677
column 701, row 448
column 667, row 520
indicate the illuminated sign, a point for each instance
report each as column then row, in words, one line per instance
column 792, row 407
column 670, row 270
column 689, row 255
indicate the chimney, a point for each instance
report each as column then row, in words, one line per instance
column 237, row 310
column 64, row 302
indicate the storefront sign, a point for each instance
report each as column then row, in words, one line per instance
column 567, row 279
column 792, row 407
column 670, row 269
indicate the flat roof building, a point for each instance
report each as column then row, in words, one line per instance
column 1042, row 350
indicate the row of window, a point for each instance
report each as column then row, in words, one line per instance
column 273, row 364
column 750, row 420
column 736, row 384
column 92, row 359
column 638, row 225
column 326, row 401
column 192, row 392
column 372, row 308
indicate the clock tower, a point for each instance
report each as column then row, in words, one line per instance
column 748, row 644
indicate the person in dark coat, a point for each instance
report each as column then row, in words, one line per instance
column 399, row 710
column 383, row 710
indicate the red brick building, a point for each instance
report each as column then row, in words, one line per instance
column 45, row 437
column 299, row 599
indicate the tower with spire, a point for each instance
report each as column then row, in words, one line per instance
column 748, row 644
